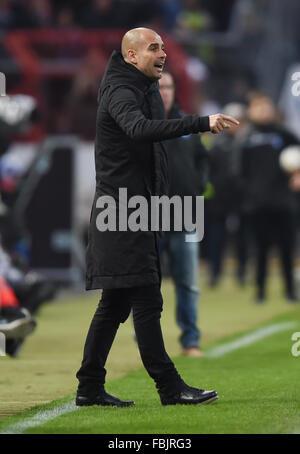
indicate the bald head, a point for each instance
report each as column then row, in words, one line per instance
column 134, row 38
column 144, row 49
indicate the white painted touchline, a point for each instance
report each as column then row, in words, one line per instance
column 44, row 416
column 15, row 402
column 39, row 418
column 248, row 339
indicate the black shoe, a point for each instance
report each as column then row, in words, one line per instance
column 104, row 399
column 14, row 346
column 260, row 300
column 16, row 322
column 189, row 396
column 260, row 296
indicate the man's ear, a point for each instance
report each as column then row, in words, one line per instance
column 131, row 55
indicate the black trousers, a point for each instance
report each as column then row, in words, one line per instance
column 217, row 241
column 274, row 227
column 114, row 308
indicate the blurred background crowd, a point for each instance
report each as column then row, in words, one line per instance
column 232, row 56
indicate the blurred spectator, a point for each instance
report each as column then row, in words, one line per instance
column 29, row 288
column 245, row 19
column 188, row 173
column 42, row 10
column 295, row 181
column 101, row 15
column 65, row 18
column 16, row 322
column 21, row 295
column 193, row 15
column 226, row 202
column 21, row 14
column 268, row 197
column 106, row 14
column 78, row 115
column 120, row 13
column 193, row 18
column 221, row 12
column 18, row 113
column 21, row 291
column 170, row 10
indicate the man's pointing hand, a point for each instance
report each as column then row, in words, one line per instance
column 219, row 122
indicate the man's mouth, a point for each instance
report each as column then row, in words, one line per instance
column 159, row 66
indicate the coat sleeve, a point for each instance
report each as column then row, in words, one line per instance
column 124, row 109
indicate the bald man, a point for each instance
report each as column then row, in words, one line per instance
column 124, row 263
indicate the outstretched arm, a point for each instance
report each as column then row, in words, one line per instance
column 124, row 109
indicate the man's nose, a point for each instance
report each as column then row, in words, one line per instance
column 163, row 54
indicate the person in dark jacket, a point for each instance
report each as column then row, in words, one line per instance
column 188, row 175
column 129, row 154
column 267, row 196
column 225, row 205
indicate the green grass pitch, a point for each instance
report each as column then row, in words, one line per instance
column 258, row 384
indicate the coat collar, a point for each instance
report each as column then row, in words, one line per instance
column 119, row 72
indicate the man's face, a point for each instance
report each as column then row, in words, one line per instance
column 167, row 91
column 150, row 56
column 262, row 111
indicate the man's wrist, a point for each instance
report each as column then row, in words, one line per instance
column 204, row 124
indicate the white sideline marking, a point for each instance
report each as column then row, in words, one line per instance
column 27, row 402
column 248, row 339
column 44, row 416
column 39, row 418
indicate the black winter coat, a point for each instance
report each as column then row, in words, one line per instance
column 266, row 185
column 225, row 174
column 130, row 126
